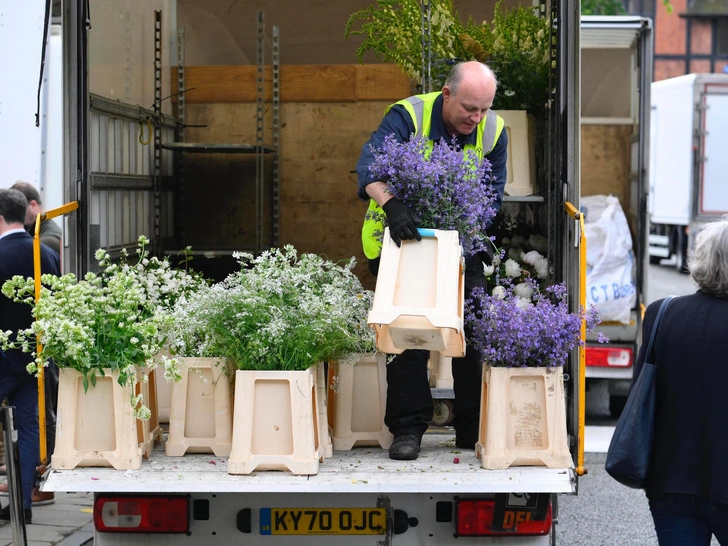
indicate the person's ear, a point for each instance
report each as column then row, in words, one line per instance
column 446, row 93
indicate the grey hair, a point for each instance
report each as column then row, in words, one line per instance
column 708, row 263
column 456, row 76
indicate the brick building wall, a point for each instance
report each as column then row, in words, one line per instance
column 693, row 38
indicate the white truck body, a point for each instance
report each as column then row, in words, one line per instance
column 110, row 173
column 29, row 153
column 363, row 477
column 688, row 160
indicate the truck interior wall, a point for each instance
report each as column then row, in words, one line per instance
column 320, row 142
column 605, row 164
column 121, row 50
column 318, row 208
column 221, row 32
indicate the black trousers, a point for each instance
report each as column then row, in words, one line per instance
column 409, row 400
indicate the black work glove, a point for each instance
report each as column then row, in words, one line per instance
column 402, row 221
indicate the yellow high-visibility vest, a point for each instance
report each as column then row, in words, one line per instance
column 419, row 108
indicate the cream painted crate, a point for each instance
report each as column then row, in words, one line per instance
column 440, row 368
column 358, row 401
column 418, row 298
column 326, row 446
column 95, row 428
column 521, row 159
column 523, row 418
column 164, row 391
column 276, row 421
column 164, row 400
column 200, row 417
column 149, row 432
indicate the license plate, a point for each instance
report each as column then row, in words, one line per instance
column 323, row 521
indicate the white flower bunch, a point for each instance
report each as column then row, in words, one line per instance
column 523, row 290
column 513, row 268
column 540, row 263
column 279, row 312
column 518, row 260
column 116, row 319
column 161, row 284
column 90, row 325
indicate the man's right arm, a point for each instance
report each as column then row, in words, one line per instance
column 401, row 219
column 396, row 122
column 378, row 191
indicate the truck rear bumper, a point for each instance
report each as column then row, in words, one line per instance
column 360, row 470
column 287, row 519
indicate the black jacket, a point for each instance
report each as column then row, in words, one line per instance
column 16, row 258
column 691, row 422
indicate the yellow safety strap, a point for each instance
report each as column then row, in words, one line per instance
column 578, row 217
column 65, row 209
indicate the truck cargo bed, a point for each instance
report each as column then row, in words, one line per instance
column 360, row 470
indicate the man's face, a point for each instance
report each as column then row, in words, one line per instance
column 31, row 213
column 462, row 111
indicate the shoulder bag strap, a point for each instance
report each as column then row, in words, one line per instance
column 660, row 312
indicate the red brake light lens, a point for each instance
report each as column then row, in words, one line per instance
column 129, row 514
column 475, row 518
column 611, row 357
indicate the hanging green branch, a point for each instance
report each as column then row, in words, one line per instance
column 392, row 29
column 602, row 7
column 515, row 45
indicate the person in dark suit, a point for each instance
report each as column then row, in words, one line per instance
column 687, row 482
column 20, row 387
column 50, row 235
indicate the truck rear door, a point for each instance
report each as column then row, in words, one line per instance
column 712, row 160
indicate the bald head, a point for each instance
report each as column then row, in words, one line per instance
column 467, row 95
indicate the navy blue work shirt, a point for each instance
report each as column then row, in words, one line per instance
column 399, row 123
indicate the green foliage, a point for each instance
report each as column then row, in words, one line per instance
column 114, row 320
column 602, row 7
column 279, row 312
column 515, row 45
column 393, row 31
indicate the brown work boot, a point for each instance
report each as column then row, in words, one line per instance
column 40, row 498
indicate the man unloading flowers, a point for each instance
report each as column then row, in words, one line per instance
column 461, row 114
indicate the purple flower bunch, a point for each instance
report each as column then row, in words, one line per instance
column 447, row 187
column 536, row 331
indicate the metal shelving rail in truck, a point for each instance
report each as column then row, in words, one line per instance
column 688, row 162
column 129, row 181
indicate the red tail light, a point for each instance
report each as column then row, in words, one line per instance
column 475, row 518
column 612, row 357
column 129, row 514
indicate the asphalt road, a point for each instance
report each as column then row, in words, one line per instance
column 665, row 280
column 606, row 513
